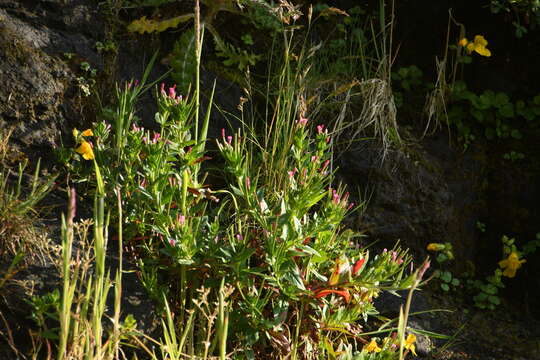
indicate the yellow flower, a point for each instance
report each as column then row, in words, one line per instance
column 409, row 343
column 511, row 264
column 436, row 247
column 85, row 149
column 372, row 346
column 479, row 45
column 87, row 132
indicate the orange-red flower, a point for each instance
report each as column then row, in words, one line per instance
column 358, row 265
column 343, row 293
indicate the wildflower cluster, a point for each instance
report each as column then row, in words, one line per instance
column 273, row 232
column 390, row 345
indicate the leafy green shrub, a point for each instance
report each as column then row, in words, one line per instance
column 490, row 115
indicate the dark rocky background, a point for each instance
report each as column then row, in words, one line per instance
column 428, row 191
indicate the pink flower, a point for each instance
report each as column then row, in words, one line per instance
column 314, row 158
column 163, row 89
column 172, row 242
column 302, row 121
column 181, row 219
column 156, row 138
column 320, row 129
column 335, row 197
column 292, row 172
column 229, row 139
column 223, row 133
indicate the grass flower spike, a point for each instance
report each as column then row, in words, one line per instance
column 479, row 45
column 511, row 264
column 85, row 149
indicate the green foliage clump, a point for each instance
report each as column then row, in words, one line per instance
column 490, row 115
column 526, row 13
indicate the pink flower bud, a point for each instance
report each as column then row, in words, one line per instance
column 162, row 89
column 172, row 92
column 320, row 129
column 325, row 165
column 229, row 139
column 423, row 269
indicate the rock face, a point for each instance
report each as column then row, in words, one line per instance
column 421, row 193
column 38, row 94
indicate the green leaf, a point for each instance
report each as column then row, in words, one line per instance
column 489, row 289
column 501, row 99
column 490, row 133
column 516, row 134
column 445, row 287
column 465, row 59
column 507, row 110
column 292, row 274
column 446, row 276
column 478, row 115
